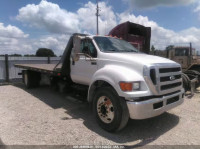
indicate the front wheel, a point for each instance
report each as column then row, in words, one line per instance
column 110, row 110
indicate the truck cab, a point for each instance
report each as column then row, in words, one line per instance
column 142, row 85
column 185, row 56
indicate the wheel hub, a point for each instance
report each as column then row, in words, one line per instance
column 105, row 109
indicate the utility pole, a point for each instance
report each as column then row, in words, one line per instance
column 190, row 49
column 190, row 53
column 97, row 14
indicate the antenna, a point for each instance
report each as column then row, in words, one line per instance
column 97, row 14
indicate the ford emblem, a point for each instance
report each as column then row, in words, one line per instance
column 172, row 78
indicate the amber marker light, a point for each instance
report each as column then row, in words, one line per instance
column 126, row 86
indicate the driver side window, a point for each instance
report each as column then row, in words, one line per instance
column 88, row 47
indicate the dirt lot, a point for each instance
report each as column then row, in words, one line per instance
column 43, row 117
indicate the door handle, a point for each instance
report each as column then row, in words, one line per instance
column 93, row 63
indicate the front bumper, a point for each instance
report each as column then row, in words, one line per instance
column 154, row 107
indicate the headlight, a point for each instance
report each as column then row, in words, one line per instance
column 129, row 86
column 136, row 85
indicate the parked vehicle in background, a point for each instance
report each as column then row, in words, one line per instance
column 138, row 35
column 189, row 62
column 119, row 81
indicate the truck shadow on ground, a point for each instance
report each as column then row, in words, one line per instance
column 1, row 144
column 136, row 133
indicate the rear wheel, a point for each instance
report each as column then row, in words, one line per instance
column 110, row 110
column 31, row 79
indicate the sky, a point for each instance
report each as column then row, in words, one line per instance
column 26, row 25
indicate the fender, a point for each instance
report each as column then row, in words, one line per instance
column 113, row 74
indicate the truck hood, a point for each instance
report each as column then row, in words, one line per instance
column 138, row 58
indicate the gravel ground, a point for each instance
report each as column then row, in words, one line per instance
column 44, row 117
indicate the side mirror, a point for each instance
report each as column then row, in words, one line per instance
column 76, row 48
column 75, row 55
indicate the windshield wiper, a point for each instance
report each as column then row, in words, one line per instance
column 129, row 51
column 111, row 50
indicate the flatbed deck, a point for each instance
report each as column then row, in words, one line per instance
column 45, row 68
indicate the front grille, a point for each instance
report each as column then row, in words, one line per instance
column 163, row 79
column 167, row 70
column 169, row 79
column 169, row 86
column 153, row 76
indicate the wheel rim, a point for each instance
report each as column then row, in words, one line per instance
column 105, row 109
column 26, row 79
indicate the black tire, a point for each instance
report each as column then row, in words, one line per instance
column 186, row 82
column 54, row 83
column 194, row 73
column 121, row 113
column 31, row 79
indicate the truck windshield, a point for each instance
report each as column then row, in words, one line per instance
column 109, row 44
column 182, row 52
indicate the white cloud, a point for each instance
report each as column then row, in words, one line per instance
column 52, row 18
column 14, row 46
column 29, row 46
column 161, row 37
column 57, row 43
column 155, row 3
column 197, row 10
column 14, row 40
column 193, row 33
column 49, row 16
column 11, row 31
column 10, row 39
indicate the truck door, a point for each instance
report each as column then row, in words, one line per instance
column 85, row 66
column 181, row 56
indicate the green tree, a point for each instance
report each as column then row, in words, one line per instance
column 16, row 55
column 153, row 48
column 44, row 52
column 169, row 47
column 29, row 55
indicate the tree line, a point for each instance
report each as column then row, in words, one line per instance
column 41, row 52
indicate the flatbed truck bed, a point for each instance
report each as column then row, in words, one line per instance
column 44, row 68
